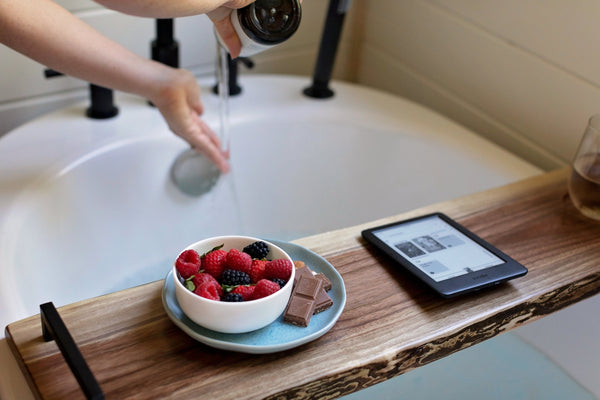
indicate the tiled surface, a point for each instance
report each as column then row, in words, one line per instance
column 570, row 338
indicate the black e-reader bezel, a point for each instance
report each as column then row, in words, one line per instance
column 467, row 282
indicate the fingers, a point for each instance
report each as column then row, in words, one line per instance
column 206, row 142
column 194, row 102
column 178, row 100
column 238, row 3
column 201, row 138
column 224, row 27
column 185, row 122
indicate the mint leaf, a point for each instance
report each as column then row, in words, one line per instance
column 213, row 249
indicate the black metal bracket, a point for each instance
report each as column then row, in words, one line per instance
column 53, row 328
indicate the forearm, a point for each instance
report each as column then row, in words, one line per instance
column 169, row 8
column 217, row 10
column 46, row 32
column 51, row 35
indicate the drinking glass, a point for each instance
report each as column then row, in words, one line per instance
column 584, row 183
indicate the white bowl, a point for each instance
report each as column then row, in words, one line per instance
column 233, row 317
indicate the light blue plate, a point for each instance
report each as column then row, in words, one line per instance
column 277, row 336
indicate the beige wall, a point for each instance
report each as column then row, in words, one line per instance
column 524, row 73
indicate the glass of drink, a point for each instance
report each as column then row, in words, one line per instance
column 584, row 183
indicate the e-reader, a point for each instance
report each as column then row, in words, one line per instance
column 443, row 254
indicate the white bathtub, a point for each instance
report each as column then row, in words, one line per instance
column 87, row 207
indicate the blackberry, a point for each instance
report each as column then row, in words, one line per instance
column 233, row 297
column 232, row 277
column 257, row 250
column 280, row 282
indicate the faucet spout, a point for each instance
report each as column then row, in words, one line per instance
column 165, row 48
column 330, row 39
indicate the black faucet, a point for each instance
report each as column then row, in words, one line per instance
column 165, row 48
column 101, row 99
column 327, row 50
column 101, row 103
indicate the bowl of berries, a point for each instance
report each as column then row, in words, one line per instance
column 233, row 284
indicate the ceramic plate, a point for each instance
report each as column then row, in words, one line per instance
column 278, row 335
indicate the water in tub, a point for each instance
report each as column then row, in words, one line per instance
column 78, row 192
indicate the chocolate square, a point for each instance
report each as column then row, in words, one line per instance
column 303, row 300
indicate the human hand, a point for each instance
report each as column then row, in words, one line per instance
column 177, row 97
column 224, row 27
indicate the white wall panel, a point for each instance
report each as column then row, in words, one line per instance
column 506, row 84
column 23, row 78
column 562, row 32
column 400, row 79
column 77, row 5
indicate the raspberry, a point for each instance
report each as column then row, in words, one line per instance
column 245, row 291
column 233, row 297
column 209, row 290
column 279, row 269
column 264, row 288
column 238, row 260
column 232, row 277
column 257, row 270
column 257, row 250
column 188, row 263
column 203, row 277
column 213, row 262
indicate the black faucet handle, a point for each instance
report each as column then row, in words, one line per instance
column 51, row 73
column 246, row 61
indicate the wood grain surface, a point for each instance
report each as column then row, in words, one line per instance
column 391, row 323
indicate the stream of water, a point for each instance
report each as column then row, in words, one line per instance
column 223, row 89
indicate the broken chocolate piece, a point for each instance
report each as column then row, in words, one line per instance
column 323, row 302
column 327, row 285
column 303, row 300
column 302, row 271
